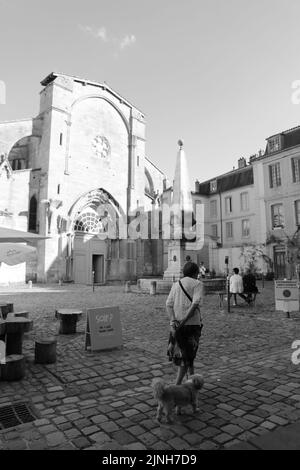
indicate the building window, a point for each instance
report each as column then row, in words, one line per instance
column 138, row 161
column 229, row 229
column 245, row 228
column 32, row 214
column 60, row 138
column 228, row 204
column 213, row 208
column 90, row 222
column 274, row 174
column 213, row 186
column 214, row 231
column 296, row 169
column 244, row 201
column 277, row 216
column 274, row 144
column 297, row 212
column 58, row 188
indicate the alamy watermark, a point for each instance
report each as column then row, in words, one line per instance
column 295, row 98
column 296, row 354
column 2, row 92
column 170, row 222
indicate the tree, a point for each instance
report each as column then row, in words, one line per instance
column 251, row 254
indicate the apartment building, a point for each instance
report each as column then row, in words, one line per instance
column 257, row 205
column 230, row 216
column 277, row 196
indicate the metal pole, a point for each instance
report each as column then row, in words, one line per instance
column 227, row 283
column 228, row 291
column 93, row 280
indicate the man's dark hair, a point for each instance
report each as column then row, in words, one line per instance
column 190, row 269
column 236, row 270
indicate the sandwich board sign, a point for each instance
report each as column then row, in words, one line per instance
column 103, row 328
column 287, row 295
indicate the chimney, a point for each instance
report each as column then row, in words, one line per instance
column 242, row 162
column 197, row 186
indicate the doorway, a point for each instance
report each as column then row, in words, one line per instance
column 98, row 268
column 279, row 263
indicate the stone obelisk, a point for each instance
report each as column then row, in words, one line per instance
column 181, row 205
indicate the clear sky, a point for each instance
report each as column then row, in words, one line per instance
column 216, row 73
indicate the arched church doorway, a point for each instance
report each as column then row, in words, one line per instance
column 95, row 224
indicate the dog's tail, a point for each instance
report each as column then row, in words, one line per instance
column 158, row 386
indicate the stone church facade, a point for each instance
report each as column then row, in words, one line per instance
column 85, row 150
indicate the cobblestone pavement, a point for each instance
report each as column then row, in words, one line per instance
column 103, row 400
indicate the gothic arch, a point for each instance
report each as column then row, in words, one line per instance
column 19, row 154
column 84, row 213
column 83, row 98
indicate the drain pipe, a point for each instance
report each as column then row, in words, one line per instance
column 221, row 218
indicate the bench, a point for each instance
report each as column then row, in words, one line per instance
column 253, row 297
column 223, row 293
column 211, row 286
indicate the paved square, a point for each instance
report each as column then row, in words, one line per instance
column 103, row 400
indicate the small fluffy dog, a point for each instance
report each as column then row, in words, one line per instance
column 170, row 396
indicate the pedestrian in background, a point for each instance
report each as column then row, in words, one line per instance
column 236, row 286
column 249, row 284
column 202, row 270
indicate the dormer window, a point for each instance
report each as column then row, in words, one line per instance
column 274, row 143
column 213, row 186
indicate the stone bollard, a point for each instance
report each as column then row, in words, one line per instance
column 10, row 307
column 29, row 284
column 153, row 288
column 45, row 351
column 139, row 287
column 68, row 320
column 4, row 311
column 24, row 314
column 2, row 338
column 127, row 287
column 13, row 368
